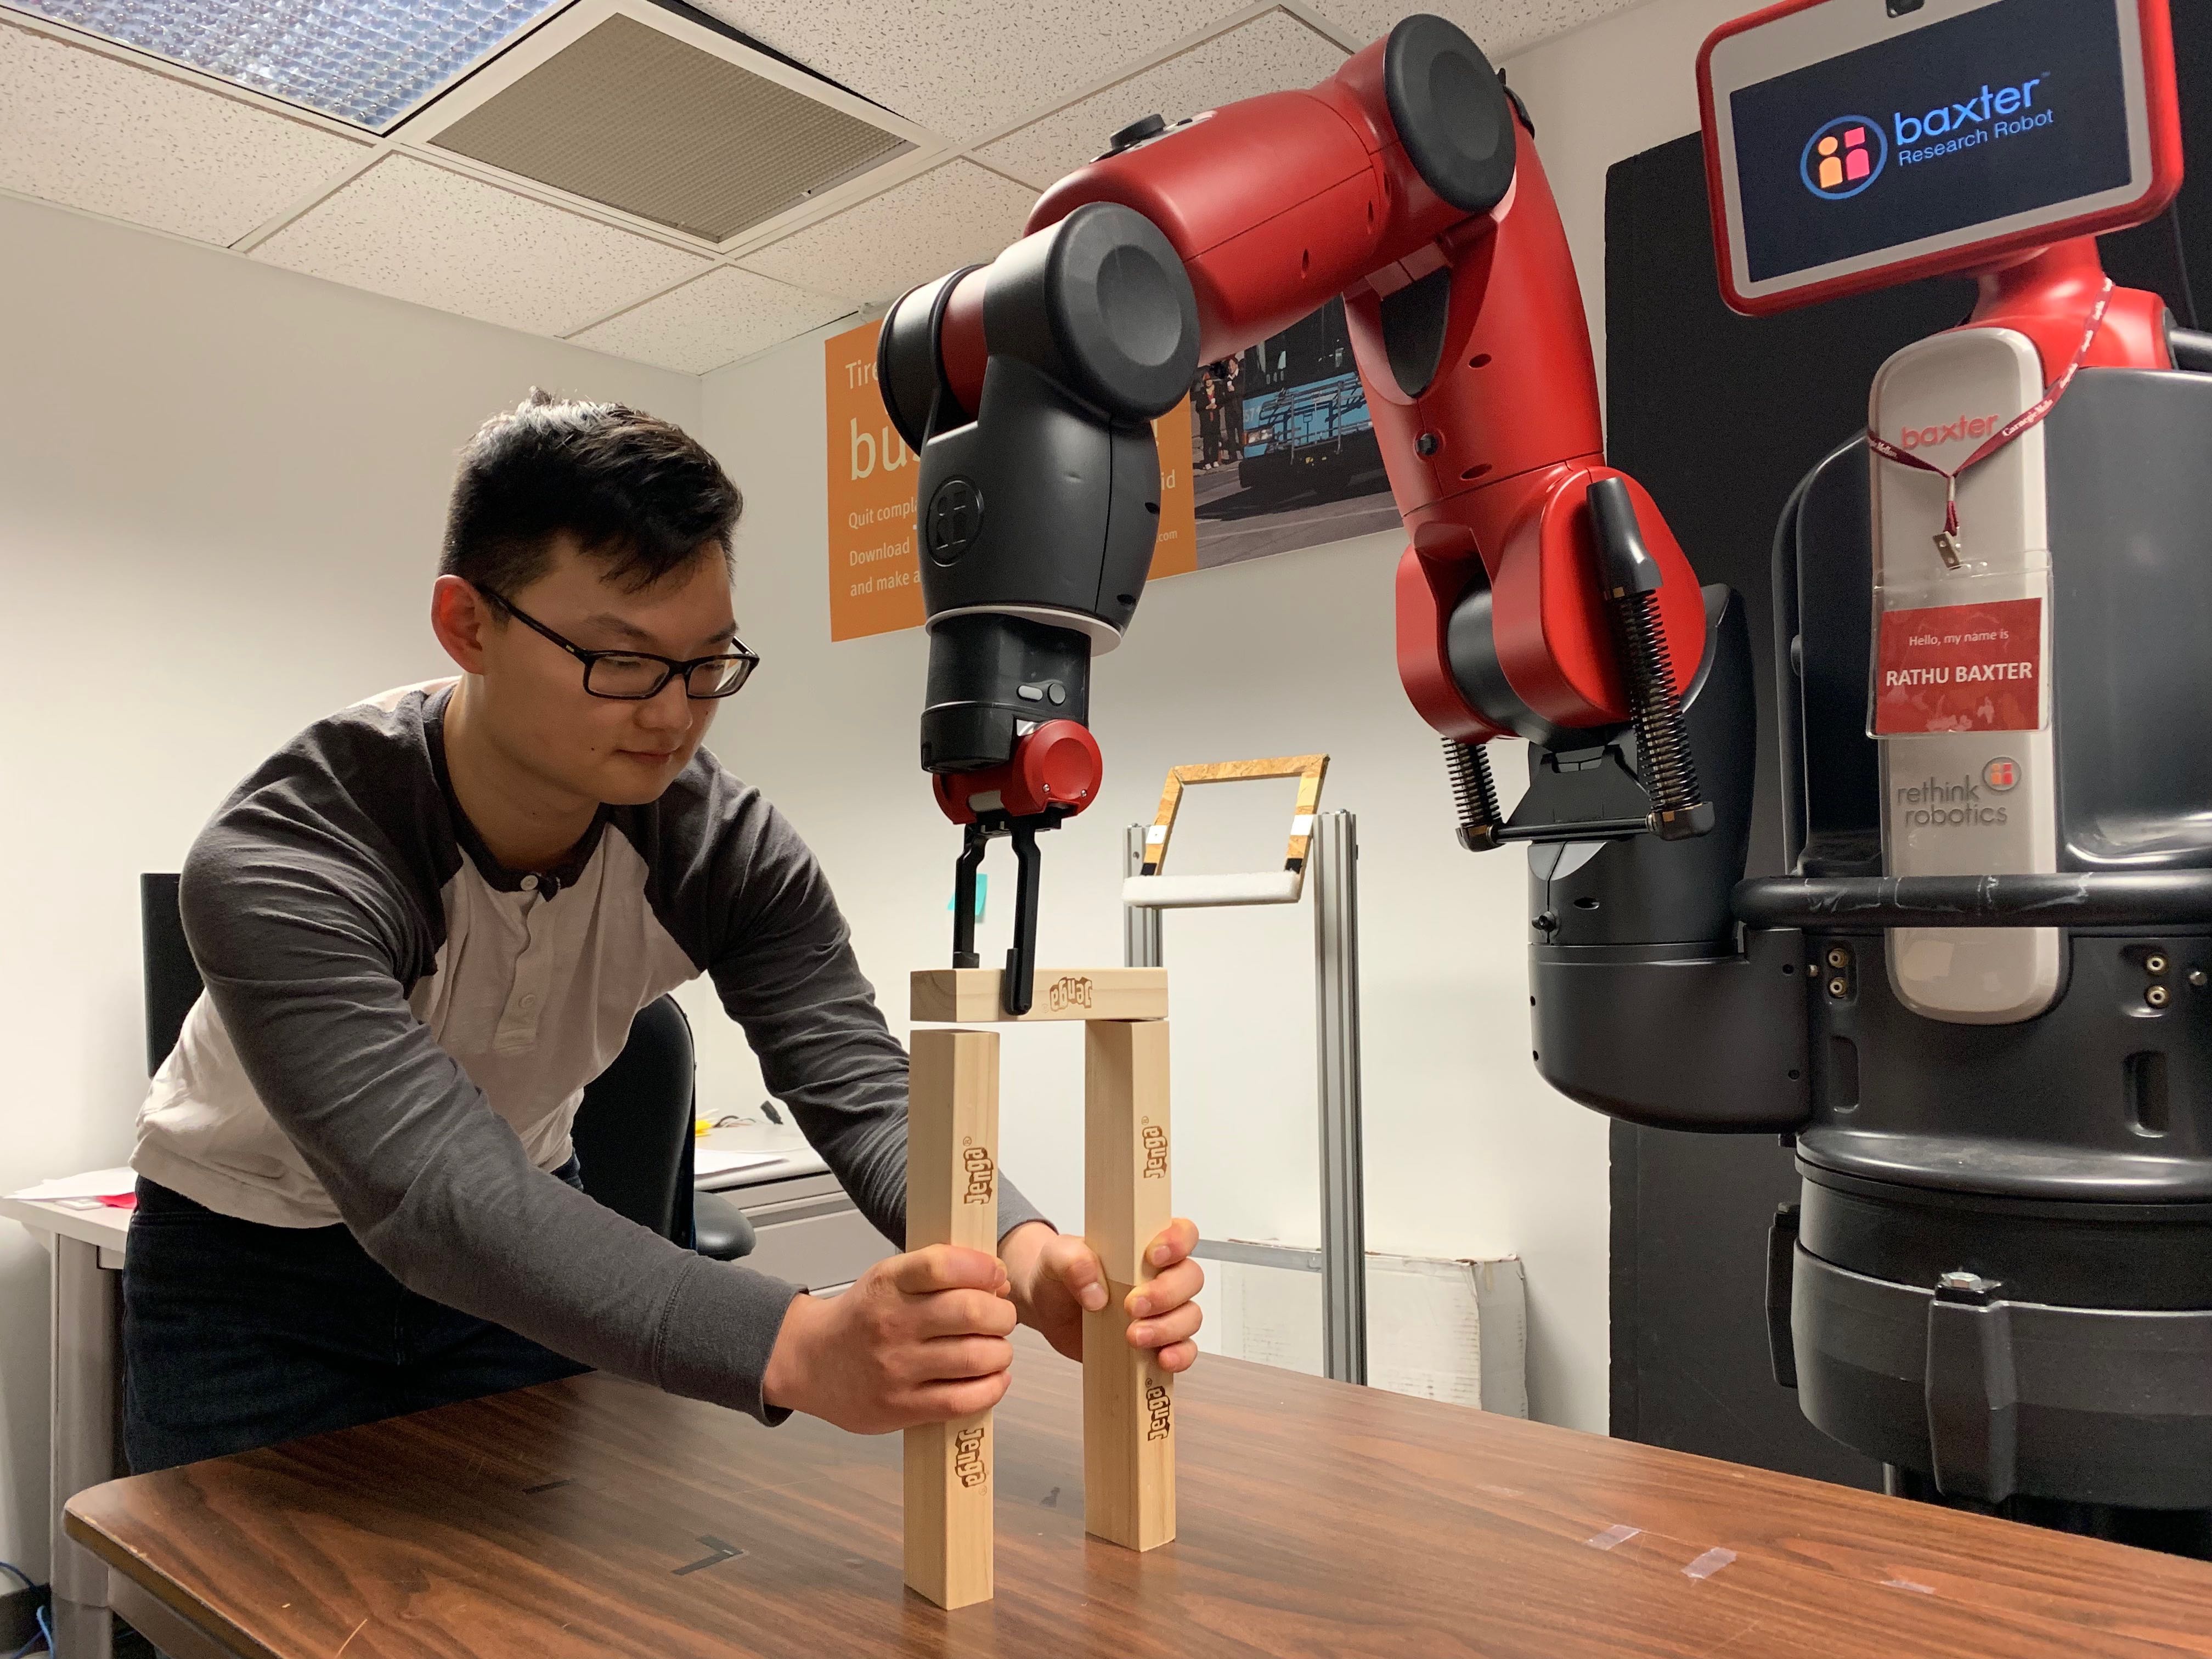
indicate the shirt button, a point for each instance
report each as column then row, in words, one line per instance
column 529, row 1004
column 530, row 883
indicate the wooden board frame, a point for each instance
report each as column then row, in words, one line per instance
column 1310, row 771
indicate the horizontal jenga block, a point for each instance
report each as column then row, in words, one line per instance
column 970, row 996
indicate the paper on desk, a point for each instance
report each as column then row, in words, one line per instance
column 98, row 1183
column 706, row 1160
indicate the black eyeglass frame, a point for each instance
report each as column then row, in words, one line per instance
column 671, row 666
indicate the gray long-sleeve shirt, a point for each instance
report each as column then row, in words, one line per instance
column 396, row 1033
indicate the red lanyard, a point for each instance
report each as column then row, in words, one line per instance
column 1947, row 543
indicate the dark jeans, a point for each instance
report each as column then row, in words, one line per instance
column 237, row 1335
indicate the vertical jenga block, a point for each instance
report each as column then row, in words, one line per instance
column 952, row 1198
column 1128, row 1406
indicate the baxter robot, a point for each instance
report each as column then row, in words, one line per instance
column 1978, row 1002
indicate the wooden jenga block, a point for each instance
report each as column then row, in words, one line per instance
column 970, row 995
column 1128, row 1404
column 952, row 1198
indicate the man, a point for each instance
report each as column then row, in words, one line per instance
column 1231, row 371
column 427, row 921
column 1206, row 395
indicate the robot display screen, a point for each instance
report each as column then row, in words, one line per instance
column 2015, row 107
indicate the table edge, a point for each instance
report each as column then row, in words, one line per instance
column 117, row 1557
column 85, row 1226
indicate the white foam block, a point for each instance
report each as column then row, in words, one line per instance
column 1196, row 892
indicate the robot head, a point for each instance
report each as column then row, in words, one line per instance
column 1854, row 144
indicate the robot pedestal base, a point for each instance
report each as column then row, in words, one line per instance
column 1988, row 1382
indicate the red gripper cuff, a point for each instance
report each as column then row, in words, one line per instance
column 1058, row 766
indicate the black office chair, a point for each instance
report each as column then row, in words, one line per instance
column 634, row 1138
column 633, row 1131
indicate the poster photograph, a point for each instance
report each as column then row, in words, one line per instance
column 1274, row 450
column 1283, row 451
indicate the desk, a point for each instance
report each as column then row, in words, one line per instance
column 596, row 1516
column 809, row 1231
column 86, row 1239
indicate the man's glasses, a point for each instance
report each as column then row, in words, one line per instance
column 634, row 676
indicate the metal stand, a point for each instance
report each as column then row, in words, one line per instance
column 1336, row 1024
column 1333, row 864
column 1141, row 925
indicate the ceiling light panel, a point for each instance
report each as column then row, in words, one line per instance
column 418, row 231
column 724, row 315
column 643, row 121
column 955, row 215
column 970, row 68
column 81, row 128
column 365, row 61
column 1269, row 54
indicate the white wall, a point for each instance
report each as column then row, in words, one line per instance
column 220, row 491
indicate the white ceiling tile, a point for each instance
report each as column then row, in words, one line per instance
column 724, row 315
column 970, row 67
column 1268, row 54
column 956, row 214
column 1500, row 27
column 91, row 131
column 419, row 233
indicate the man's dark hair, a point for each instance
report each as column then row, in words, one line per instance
column 638, row 494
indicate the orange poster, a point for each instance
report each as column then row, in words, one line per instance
column 874, row 587
column 874, row 577
column 1176, row 551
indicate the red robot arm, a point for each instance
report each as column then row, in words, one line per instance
column 1542, row 593
column 1472, row 347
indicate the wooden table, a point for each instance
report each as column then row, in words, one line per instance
column 598, row 1517
column 808, row 1233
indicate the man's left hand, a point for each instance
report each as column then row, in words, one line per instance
column 1055, row 1278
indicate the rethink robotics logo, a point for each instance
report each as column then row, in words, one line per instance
column 1936, row 804
column 1847, row 155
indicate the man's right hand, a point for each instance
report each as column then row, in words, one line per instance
column 920, row 1338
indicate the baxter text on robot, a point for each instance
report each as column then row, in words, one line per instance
column 1967, row 426
column 2006, row 101
column 1935, row 804
column 1964, row 673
